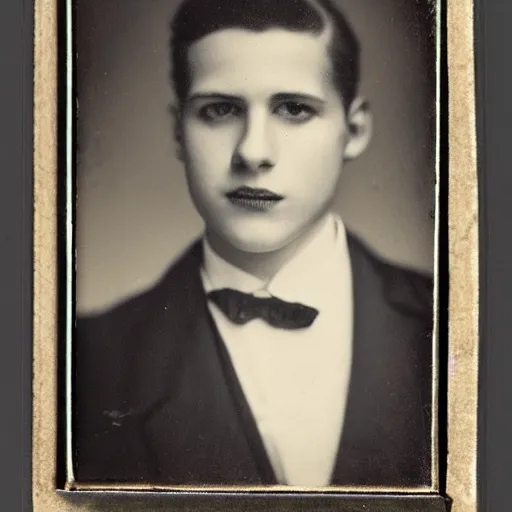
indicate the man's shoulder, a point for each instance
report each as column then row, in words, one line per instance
column 402, row 287
column 171, row 295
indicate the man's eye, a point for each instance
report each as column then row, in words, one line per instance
column 219, row 111
column 296, row 112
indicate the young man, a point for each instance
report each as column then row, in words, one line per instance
column 278, row 349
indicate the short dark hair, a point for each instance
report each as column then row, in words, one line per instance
column 196, row 19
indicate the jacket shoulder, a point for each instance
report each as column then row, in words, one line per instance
column 404, row 288
column 122, row 321
column 112, row 348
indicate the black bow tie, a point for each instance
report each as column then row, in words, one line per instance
column 241, row 308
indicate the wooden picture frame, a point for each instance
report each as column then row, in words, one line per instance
column 53, row 295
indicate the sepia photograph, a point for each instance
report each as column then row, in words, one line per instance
column 255, row 243
column 253, row 289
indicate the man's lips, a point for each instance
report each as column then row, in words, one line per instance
column 255, row 199
column 262, row 194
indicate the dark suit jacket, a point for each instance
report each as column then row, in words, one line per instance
column 156, row 399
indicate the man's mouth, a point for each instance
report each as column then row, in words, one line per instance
column 255, row 199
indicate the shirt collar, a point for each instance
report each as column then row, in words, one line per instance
column 305, row 278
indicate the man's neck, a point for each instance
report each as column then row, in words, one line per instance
column 262, row 265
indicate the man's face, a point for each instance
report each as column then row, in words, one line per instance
column 263, row 133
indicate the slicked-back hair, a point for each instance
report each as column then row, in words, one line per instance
column 196, row 19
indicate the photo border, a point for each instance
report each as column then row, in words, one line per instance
column 51, row 313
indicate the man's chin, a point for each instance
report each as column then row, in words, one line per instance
column 258, row 246
column 257, row 237
column 249, row 242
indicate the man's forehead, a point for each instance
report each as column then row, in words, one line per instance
column 275, row 59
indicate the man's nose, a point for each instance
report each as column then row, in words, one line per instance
column 256, row 150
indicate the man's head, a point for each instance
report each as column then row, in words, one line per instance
column 196, row 19
column 267, row 114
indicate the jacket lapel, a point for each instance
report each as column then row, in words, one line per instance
column 384, row 429
column 199, row 428
column 358, row 423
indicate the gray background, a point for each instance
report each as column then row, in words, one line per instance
column 494, row 37
column 133, row 212
column 16, row 199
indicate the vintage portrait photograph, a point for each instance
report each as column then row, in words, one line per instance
column 255, row 244
column 255, row 256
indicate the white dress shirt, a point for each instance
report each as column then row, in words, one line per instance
column 295, row 381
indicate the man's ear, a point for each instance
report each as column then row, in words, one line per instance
column 359, row 128
column 178, row 134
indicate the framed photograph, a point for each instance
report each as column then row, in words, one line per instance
column 256, row 267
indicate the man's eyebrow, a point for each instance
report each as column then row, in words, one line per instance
column 213, row 96
column 297, row 96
